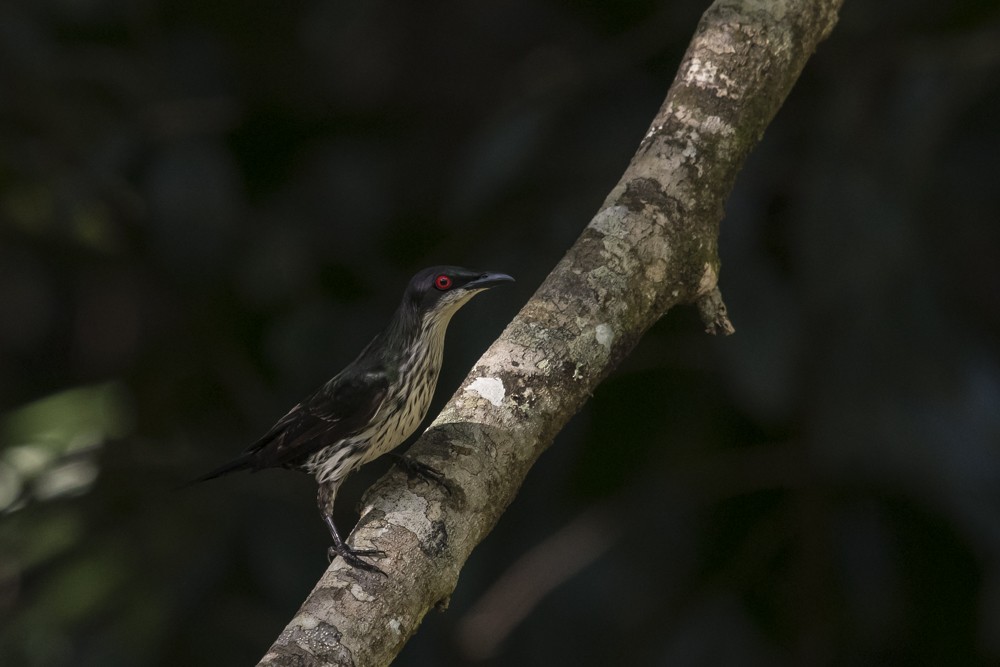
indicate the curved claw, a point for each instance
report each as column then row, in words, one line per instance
column 351, row 556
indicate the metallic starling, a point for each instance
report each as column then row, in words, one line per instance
column 375, row 403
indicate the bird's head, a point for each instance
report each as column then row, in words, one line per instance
column 439, row 291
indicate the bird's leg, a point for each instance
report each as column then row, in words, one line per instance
column 423, row 471
column 325, row 498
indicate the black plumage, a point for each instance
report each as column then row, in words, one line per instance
column 376, row 402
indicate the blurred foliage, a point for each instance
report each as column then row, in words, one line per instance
column 206, row 209
column 53, row 442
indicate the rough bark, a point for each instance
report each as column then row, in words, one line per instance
column 652, row 245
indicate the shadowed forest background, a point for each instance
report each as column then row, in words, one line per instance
column 208, row 208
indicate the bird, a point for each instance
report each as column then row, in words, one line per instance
column 374, row 404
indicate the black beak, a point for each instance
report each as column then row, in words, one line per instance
column 488, row 280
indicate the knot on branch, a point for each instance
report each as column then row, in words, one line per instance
column 713, row 313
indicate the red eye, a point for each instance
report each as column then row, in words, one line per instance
column 442, row 282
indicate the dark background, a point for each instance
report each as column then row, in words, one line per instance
column 207, row 208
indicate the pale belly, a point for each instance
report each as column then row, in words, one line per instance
column 402, row 421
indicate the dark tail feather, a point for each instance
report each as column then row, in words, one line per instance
column 244, row 461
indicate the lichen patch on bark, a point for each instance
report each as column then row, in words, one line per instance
column 490, row 388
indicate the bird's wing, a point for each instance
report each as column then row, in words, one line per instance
column 338, row 410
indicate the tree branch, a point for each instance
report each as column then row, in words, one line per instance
column 653, row 245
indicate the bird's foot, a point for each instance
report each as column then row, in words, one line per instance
column 423, row 471
column 352, row 557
